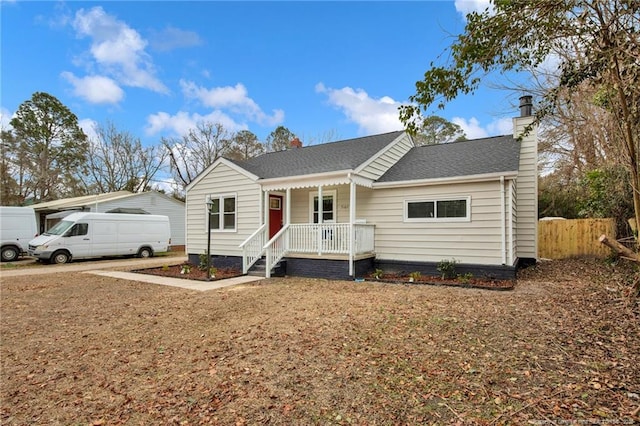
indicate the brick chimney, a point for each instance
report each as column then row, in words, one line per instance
column 296, row 143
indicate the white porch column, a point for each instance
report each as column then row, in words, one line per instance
column 287, row 220
column 320, row 214
column 266, row 209
column 287, row 203
column 260, row 207
column 352, row 220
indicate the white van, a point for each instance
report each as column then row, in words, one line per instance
column 17, row 228
column 85, row 235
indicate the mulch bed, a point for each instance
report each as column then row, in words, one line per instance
column 481, row 283
column 193, row 273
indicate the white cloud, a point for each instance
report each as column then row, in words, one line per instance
column 118, row 49
column 173, row 38
column 468, row 6
column 473, row 129
column 5, row 118
column 88, row 126
column 95, row 89
column 370, row 114
column 235, row 98
column 180, row 123
column 501, row 126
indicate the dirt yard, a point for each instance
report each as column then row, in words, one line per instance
column 562, row 348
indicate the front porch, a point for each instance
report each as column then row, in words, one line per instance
column 310, row 242
column 313, row 219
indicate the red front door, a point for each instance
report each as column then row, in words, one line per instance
column 275, row 214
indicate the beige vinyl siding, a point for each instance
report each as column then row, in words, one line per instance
column 527, row 192
column 381, row 164
column 476, row 241
column 222, row 180
column 513, row 214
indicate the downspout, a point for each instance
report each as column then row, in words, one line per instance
column 503, row 221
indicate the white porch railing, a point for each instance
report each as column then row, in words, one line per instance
column 324, row 238
column 331, row 238
column 253, row 248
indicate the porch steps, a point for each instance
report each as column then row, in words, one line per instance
column 259, row 269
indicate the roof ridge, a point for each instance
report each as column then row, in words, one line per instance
column 464, row 141
column 261, row 156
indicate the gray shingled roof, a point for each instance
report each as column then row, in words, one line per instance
column 474, row 157
column 343, row 155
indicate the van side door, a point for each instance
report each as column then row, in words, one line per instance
column 78, row 240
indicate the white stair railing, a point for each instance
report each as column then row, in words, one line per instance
column 276, row 248
column 253, row 248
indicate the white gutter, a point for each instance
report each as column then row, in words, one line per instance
column 503, row 222
column 447, row 180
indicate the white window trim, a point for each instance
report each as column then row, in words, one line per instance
column 331, row 192
column 221, row 197
column 467, row 218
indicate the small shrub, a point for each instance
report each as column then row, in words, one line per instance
column 465, row 278
column 212, row 272
column 203, row 261
column 447, row 268
column 414, row 276
column 165, row 267
column 186, row 269
column 377, row 274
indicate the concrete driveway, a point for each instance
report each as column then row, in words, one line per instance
column 88, row 265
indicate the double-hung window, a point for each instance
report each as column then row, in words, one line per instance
column 328, row 206
column 223, row 212
column 450, row 209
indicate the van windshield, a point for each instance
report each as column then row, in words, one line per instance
column 59, row 228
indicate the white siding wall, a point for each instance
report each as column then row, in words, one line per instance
column 527, row 191
column 390, row 157
column 222, row 180
column 478, row 241
column 154, row 203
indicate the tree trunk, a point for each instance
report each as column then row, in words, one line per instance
column 619, row 248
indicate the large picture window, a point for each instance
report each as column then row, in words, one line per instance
column 438, row 210
column 223, row 212
column 328, row 206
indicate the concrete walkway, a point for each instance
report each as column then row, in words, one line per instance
column 178, row 282
column 106, row 268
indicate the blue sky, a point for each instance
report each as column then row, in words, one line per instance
column 323, row 69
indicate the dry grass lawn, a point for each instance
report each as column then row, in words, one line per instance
column 563, row 347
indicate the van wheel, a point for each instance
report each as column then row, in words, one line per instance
column 9, row 254
column 60, row 257
column 145, row 252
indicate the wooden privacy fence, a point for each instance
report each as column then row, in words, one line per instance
column 561, row 239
